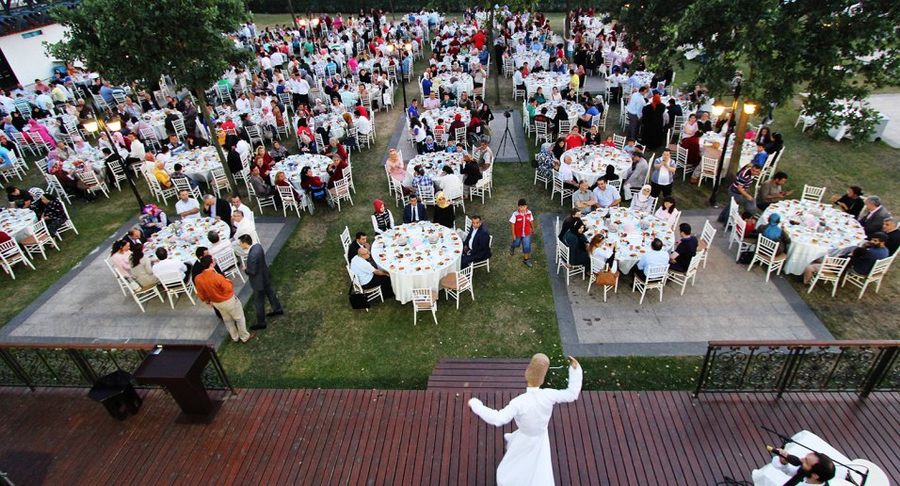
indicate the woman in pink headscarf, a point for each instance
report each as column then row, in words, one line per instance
column 36, row 128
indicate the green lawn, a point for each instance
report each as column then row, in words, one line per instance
column 321, row 342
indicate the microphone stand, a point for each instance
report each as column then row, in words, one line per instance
column 865, row 475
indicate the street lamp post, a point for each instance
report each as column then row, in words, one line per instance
column 115, row 126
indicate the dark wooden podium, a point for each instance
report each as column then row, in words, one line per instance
column 179, row 369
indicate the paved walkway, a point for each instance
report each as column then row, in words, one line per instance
column 87, row 306
column 727, row 302
column 889, row 104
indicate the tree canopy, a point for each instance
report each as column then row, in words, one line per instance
column 141, row 40
column 833, row 49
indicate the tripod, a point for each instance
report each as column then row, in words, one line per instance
column 506, row 136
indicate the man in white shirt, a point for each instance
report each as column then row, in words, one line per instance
column 368, row 276
column 238, row 205
column 44, row 101
column 137, row 152
column 363, row 125
column 242, row 103
column 635, row 109
column 565, row 172
column 242, row 226
column 450, row 183
column 655, row 257
column 243, row 148
column 187, row 207
column 518, row 79
column 168, row 266
column 606, row 195
column 218, row 245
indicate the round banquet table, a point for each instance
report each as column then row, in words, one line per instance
column 76, row 160
column 575, row 110
column 446, row 114
column 589, row 161
column 196, row 164
column 814, row 229
column 631, row 232
column 292, row 165
column 547, row 81
column 711, row 143
column 464, row 62
column 644, row 78
column 417, row 255
column 370, row 64
column 157, row 120
column 533, row 59
column 182, row 238
column 434, row 165
column 332, row 121
column 17, row 222
column 456, row 83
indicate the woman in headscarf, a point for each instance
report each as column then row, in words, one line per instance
column 578, row 244
column 429, row 146
column 382, row 217
column 36, row 129
column 152, row 219
column 643, row 201
column 652, row 130
column 772, row 230
column 444, row 213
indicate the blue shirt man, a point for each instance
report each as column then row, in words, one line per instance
column 760, row 157
column 636, row 103
column 6, row 162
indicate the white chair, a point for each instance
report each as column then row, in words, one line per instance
column 564, row 127
column 398, row 192
column 424, row 300
column 118, row 173
column 11, row 254
column 734, row 214
column 123, row 284
column 596, row 267
column 182, row 184
column 486, row 263
column 180, row 130
column 541, row 177
column 706, row 239
column 808, row 121
column 288, row 201
column 341, row 192
column 738, row 236
column 681, row 278
column 92, row 183
column 254, row 134
column 619, row 141
column 482, row 187
column 375, row 222
column 138, row 293
column 262, row 202
column 39, row 237
column 541, row 133
column 560, row 187
column 219, row 180
column 426, row 195
column 831, row 270
column 371, row 294
column 656, row 277
column 346, row 240
column 876, row 275
column 227, row 262
column 681, row 155
column 562, row 262
column 175, row 285
column 457, row 283
column 159, row 191
column 767, row 254
column 459, row 136
column 708, row 169
column 812, row 193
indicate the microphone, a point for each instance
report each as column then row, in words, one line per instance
column 792, row 460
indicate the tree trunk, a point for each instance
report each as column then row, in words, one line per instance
column 211, row 128
column 740, row 129
column 497, row 71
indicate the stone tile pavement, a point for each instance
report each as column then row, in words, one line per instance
column 726, row 303
column 87, row 306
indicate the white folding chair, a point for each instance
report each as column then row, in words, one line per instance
column 563, row 127
column 341, row 192
column 139, row 294
column 541, row 177
column 812, row 193
column 426, row 195
column 619, row 141
column 37, row 239
column 227, row 262
column 346, row 240
column 219, row 180
column 708, row 169
column 876, row 275
column 118, row 173
column 457, row 283
column 288, row 200
column 262, row 202
column 562, row 257
column 11, row 254
column 767, row 254
column 486, row 263
column 424, row 300
column 560, row 187
column 180, row 129
column 681, row 278
column 831, row 270
column 706, row 239
column 175, row 285
column 123, row 283
column 656, row 277
column 254, row 134
column 93, row 183
column 371, row 294
column 738, row 236
column 482, row 187
column 541, row 133
column 681, row 155
column 182, row 184
column 596, row 267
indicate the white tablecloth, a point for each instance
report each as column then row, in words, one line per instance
column 292, row 165
column 430, row 252
column 590, row 161
column 456, row 83
column 332, row 121
column 196, row 164
column 575, row 110
column 547, row 81
column 434, row 165
column 182, row 238
column 446, row 114
column 17, row 222
column 76, row 161
column 715, row 141
column 631, row 233
column 803, row 220
column 533, row 59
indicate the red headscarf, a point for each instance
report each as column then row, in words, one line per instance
column 379, row 205
column 656, row 100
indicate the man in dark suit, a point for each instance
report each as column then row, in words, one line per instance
column 477, row 244
column 234, row 160
column 214, row 207
column 875, row 214
column 361, row 241
column 414, row 211
column 261, row 283
column 134, row 237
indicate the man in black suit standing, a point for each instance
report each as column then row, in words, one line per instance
column 260, row 281
column 875, row 214
column 477, row 244
column 214, row 207
column 414, row 211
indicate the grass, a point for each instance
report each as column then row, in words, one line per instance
column 321, row 342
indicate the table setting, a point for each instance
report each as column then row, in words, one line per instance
column 417, row 255
column 332, row 121
column 433, row 164
column 574, row 110
column 182, row 238
column 814, row 229
column 589, row 161
column 447, row 114
column 629, row 232
column 533, row 59
column 76, row 161
column 456, row 83
column 197, row 163
column 465, row 63
column 16, row 222
column 711, row 143
column 546, row 80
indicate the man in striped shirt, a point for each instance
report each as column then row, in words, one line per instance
column 739, row 190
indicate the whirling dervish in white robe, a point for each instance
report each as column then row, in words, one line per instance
column 527, row 460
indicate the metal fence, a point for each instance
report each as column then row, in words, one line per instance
column 80, row 365
column 800, row 366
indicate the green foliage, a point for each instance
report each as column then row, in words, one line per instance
column 140, row 40
column 778, row 44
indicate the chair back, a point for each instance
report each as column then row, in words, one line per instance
column 467, row 225
column 180, row 129
column 423, row 299
column 766, row 248
column 460, row 135
column 832, row 268
column 681, row 156
column 346, row 240
column 342, row 188
column 656, row 274
column 182, row 184
column 426, row 195
column 619, row 141
column 708, row 233
column 287, row 195
column 564, row 126
column 812, row 193
column 881, row 266
column 464, row 279
column 740, row 228
column 708, row 167
column 226, row 260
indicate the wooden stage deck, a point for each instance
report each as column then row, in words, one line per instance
column 58, row 436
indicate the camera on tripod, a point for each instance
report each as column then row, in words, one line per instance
column 507, row 113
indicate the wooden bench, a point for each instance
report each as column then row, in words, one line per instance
column 478, row 374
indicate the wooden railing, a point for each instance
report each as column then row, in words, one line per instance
column 81, row 364
column 800, row 366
